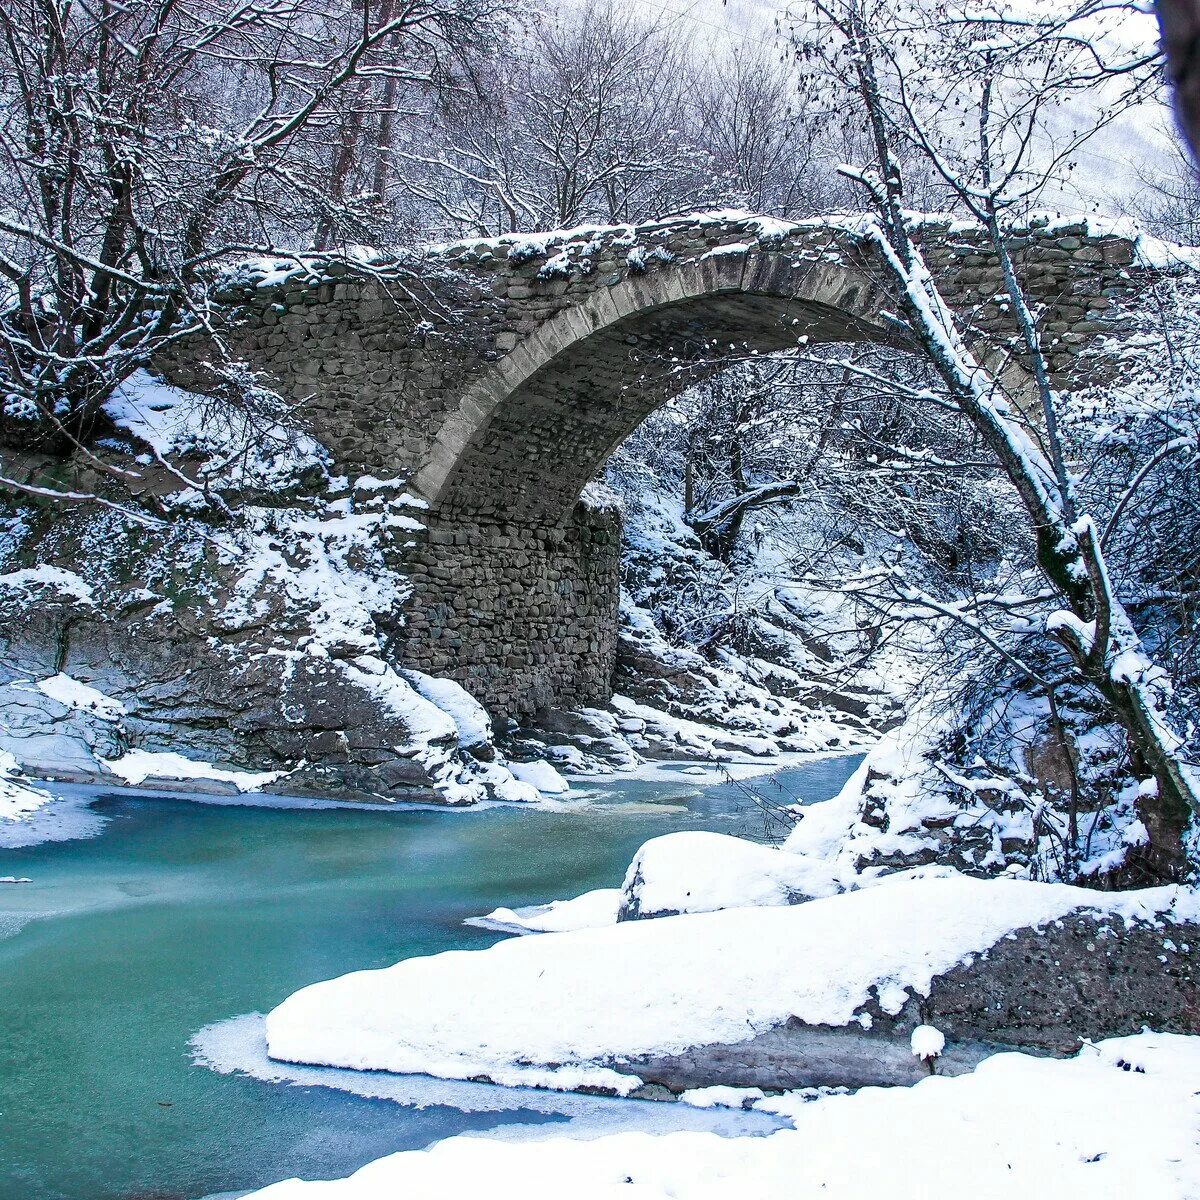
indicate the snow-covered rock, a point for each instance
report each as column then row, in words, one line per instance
column 30, row 815
column 927, row 1042
column 234, row 654
column 589, row 911
column 689, row 872
column 714, row 659
column 469, row 716
column 567, row 1010
column 18, row 801
column 908, row 806
column 703, row 872
column 542, row 776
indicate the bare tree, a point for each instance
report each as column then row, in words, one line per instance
column 143, row 142
column 613, row 117
column 1168, row 201
column 1000, row 77
column 752, row 123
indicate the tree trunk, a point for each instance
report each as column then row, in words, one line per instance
column 718, row 529
column 1179, row 23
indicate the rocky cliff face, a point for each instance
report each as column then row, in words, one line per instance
column 254, row 639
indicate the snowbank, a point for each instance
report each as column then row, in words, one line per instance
column 559, row 1006
column 1116, row 1121
column 703, row 872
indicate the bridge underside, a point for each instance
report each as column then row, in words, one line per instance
column 529, row 461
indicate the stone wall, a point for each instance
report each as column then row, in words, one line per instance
column 493, row 378
column 523, row 617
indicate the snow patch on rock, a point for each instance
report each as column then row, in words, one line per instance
column 31, row 580
column 136, row 766
column 71, row 693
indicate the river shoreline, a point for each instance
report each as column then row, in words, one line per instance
column 75, row 787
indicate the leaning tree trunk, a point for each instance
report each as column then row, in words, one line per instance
column 1110, row 657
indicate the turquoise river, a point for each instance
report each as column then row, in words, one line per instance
column 179, row 916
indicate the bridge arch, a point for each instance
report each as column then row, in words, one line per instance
column 534, row 428
column 516, row 594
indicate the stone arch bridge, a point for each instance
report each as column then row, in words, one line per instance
column 493, row 378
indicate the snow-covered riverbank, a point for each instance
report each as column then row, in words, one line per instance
column 1118, row 1120
column 585, row 1008
column 786, row 972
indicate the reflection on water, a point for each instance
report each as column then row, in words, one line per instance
column 180, row 916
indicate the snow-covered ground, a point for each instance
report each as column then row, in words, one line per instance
column 1119, row 1120
column 564, row 1009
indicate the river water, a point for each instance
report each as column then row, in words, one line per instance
column 179, row 916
